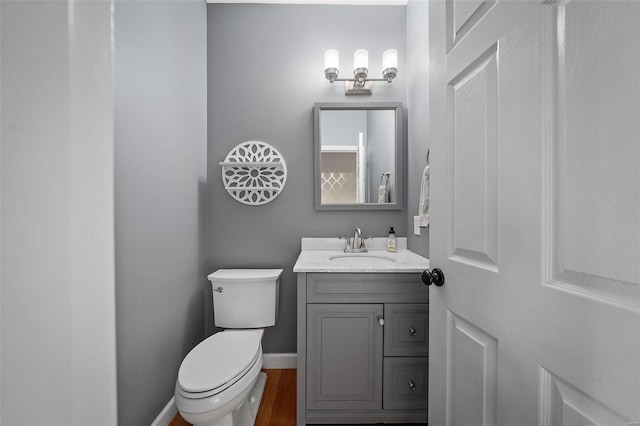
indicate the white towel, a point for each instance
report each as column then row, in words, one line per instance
column 383, row 189
column 383, row 194
column 423, row 207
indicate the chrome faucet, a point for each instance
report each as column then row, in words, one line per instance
column 358, row 243
column 355, row 244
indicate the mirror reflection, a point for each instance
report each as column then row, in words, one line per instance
column 358, row 156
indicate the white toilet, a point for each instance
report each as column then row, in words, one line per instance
column 219, row 381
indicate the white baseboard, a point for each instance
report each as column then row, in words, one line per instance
column 166, row 415
column 273, row 361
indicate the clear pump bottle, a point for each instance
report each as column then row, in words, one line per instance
column 391, row 240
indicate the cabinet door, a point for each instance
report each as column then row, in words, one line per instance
column 344, row 357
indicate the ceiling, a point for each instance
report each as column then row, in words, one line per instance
column 337, row 2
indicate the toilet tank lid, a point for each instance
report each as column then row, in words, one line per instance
column 228, row 275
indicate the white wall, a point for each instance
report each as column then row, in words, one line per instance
column 57, row 263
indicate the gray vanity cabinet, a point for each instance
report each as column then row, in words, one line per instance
column 362, row 348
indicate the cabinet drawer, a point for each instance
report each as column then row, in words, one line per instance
column 406, row 331
column 405, row 383
column 366, row 288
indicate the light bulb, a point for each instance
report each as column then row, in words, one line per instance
column 331, row 62
column 331, row 59
column 389, row 64
column 390, row 59
column 361, row 59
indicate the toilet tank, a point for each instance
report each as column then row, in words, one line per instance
column 245, row 298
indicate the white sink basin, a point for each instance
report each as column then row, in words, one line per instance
column 361, row 259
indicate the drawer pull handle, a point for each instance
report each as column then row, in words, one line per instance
column 412, row 385
column 380, row 320
column 412, row 331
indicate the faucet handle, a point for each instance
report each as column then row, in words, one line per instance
column 364, row 238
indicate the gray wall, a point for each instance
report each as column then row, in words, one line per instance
column 342, row 127
column 160, row 175
column 381, row 131
column 418, row 113
column 57, row 312
column 266, row 66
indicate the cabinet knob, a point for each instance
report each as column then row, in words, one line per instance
column 412, row 385
column 380, row 320
column 412, row 331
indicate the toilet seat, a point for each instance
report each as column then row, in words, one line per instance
column 218, row 362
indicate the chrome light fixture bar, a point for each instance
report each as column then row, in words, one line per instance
column 360, row 84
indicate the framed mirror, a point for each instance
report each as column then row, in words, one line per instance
column 358, row 156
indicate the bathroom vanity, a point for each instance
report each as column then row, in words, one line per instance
column 362, row 334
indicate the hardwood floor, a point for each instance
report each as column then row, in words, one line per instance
column 278, row 406
column 179, row 421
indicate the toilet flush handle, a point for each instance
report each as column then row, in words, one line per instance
column 219, row 289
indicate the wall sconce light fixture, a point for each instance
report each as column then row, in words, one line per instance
column 360, row 84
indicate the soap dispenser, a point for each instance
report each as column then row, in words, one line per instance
column 391, row 240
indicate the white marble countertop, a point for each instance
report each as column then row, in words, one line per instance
column 316, row 255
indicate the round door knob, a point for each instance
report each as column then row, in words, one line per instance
column 434, row 276
column 380, row 320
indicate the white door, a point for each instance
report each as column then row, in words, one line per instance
column 535, row 159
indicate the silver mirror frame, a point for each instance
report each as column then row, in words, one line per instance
column 400, row 144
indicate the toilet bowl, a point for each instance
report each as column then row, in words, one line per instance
column 219, row 382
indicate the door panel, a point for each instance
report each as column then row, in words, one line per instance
column 595, row 189
column 473, row 101
column 462, row 16
column 462, row 12
column 472, row 376
column 564, row 404
column 535, row 158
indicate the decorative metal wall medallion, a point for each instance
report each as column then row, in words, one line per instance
column 254, row 173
